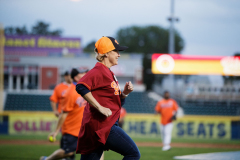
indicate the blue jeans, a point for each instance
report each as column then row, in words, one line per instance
column 119, row 142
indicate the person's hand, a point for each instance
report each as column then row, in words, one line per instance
column 53, row 134
column 174, row 117
column 56, row 113
column 105, row 111
column 128, row 88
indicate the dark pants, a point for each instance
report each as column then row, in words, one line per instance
column 119, row 142
column 69, row 143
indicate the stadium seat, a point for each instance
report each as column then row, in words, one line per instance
column 137, row 102
column 211, row 108
column 27, row 102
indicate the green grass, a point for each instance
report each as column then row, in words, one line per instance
column 187, row 140
column 182, row 140
column 26, row 137
column 30, row 152
column 33, row 152
column 25, row 152
column 155, row 153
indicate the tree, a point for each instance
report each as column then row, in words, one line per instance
column 148, row 40
column 41, row 28
column 237, row 54
column 90, row 47
column 16, row 31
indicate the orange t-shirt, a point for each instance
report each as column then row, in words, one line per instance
column 166, row 108
column 58, row 93
column 123, row 112
column 74, row 104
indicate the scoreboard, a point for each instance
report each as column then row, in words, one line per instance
column 195, row 65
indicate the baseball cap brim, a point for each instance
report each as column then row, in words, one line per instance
column 116, row 45
column 120, row 48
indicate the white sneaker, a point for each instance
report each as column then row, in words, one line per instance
column 166, row 148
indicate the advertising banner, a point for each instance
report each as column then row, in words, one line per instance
column 186, row 127
column 41, row 45
column 136, row 125
column 34, row 123
column 195, row 65
column 202, row 128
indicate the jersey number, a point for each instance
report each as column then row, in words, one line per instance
column 116, row 87
column 81, row 102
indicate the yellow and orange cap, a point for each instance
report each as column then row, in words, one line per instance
column 107, row 44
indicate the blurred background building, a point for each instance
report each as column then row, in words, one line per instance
column 37, row 62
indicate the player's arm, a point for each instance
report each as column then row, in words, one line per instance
column 91, row 100
column 158, row 108
column 60, row 122
column 128, row 88
column 53, row 101
column 54, row 108
column 87, row 95
column 175, row 108
column 174, row 117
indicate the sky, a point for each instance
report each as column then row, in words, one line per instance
column 208, row 27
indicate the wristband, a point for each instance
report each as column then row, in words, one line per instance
column 124, row 94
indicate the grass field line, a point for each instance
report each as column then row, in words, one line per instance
column 189, row 145
column 140, row 144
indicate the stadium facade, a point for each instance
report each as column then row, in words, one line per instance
column 37, row 62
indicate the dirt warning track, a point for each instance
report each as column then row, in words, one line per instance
column 140, row 144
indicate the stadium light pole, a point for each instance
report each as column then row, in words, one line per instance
column 171, row 44
column 171, row 19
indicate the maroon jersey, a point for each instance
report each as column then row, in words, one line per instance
column 96, row 126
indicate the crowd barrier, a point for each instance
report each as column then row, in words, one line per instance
column 136, row 125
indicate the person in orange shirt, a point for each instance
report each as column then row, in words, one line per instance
column 167, row 107
column 58, row 92
column 123, row 113
column 70, row 120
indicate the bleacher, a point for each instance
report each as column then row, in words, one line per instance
column 136, row 102
column 224, row 108
column 139, row 102
column 208, row 92
column 27, row 102
column 210, row 100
